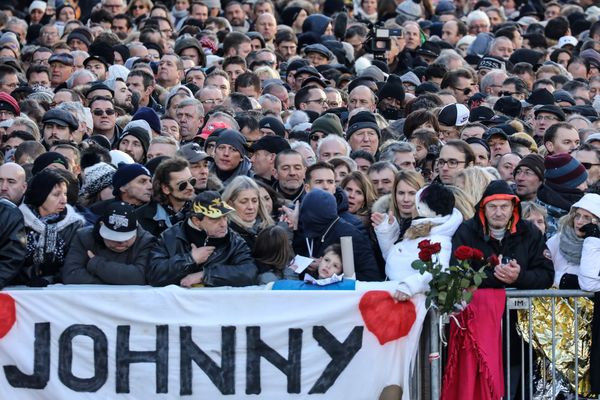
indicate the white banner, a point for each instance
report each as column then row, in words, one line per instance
column 74, row 342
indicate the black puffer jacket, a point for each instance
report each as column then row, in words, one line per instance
column 231, row 264
column 106, row 267
column 522, row 242
column 13, row 240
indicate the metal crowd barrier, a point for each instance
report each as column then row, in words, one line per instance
column 429, row 367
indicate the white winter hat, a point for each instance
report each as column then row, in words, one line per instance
column 589, row 202
column 37, row 5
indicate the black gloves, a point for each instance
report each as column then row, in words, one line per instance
column 591, row 230
column 569, row 281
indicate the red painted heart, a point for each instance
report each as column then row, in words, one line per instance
column 385, row 318
column 8, row 314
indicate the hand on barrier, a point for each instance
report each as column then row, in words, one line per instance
column 192, row 279
column 591, row 230
column 201, row 254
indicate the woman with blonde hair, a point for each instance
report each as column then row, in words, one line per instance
column 463, row 202
column 361, row 195
column 139, row 7
column 251, row 216
column 474, row 181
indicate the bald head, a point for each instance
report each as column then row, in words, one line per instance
column 361, row 96
column 13, row 182
column 266, row 25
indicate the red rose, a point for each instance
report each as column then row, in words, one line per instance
column 423, row 244
column 425, row 255
column 493, row 260
column 477, row 254
column 435, row 248
column 463, row 253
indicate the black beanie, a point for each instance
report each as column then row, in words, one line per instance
column 362, row 120
column 434, row 200
column 392, row 88
column 45, row 159
column 40, row 186
column 139, row 133
column 234, row 139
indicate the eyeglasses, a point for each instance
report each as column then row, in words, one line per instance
column 523, row 171
column 316, row 137
column 212, row 101
column 182, row 185
column 319, row 101
column 139, row 7
column 588, row 165
column 452, row 163
column 99, row 112
column 546, row 118
column 465, row 91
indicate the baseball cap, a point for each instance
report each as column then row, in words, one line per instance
column 210, row 204
column 193, row 153
column 119, row 223
column 270, row 143
column 454, row 115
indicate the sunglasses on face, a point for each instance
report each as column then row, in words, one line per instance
column 315, row 138
column 588, row 165
column 98, row 112
column 183, row 185
column 465, row 91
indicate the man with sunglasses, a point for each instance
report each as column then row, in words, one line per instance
column 462, row 84
column 173, row 190
column 105, row 118
column 589, row 157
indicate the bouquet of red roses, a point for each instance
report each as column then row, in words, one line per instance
column 450, row 289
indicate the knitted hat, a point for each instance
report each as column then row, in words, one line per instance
column 409, row 9
column 234, row 139
column 563, row 95
column 82, row 34
column 445, row 7
column 273, row 124
column 8, row 103
column 508, row 105
column 589, row 202
column 122, row 50
column 490, row 62
column 139, row 133
column 148, row 115
column 125, row 174
column 117, row 157
column 37, row 5
column 101, row 51
column 289, row 15
column 270, row 143
column 329, row 124
column 392, row 88
column 410, row 77
column 434, row 200
column 40, row 186
column 362, row 120
column 535, row 163
column 454, row 115
column 46, row 159
column 97, row 178
column 564, row 171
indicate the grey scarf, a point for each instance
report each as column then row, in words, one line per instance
column 570, row 245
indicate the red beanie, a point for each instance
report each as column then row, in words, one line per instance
column 8, row 103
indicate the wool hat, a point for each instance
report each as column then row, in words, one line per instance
column 122, row 50
column 149, row 115
column 445, row 7
column 454, row 115
column 117, row 157
column 119, row 222
column 96, row 178
column 589, row 202
column 270, row 143
column 434, row 200
column 490, row 62
column 40, row 186
column 101, row 141
column 210, row 204
column 234, row 139
column 540, row 96
column 8, row 103
column 46, row 159
column 594, row 137
column 273, row 124
column 392, row 88
column 186, row 43
column 551, row 109
column 529, row 56
column 534, row 162
column 289, row 15
column 564, row 171
column 101, row 51
column 362, row 120
column 82, row 34
column 563, row 95
column 60, row 117
column 126, row 173
column 139, row 133
column 37, row 5
column 193, row 153
column 409, row 9
column 508, row 105
column 481, row 45
column 410, row 77
column 329, row 124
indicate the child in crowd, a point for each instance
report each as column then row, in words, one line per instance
column 273, row 254
column 331, row 262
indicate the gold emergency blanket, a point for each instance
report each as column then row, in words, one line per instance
column 564, row 335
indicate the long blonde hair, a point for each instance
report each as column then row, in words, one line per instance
column 413, row 178
column 463, row 202
column 477, row 180
column 231, row 193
